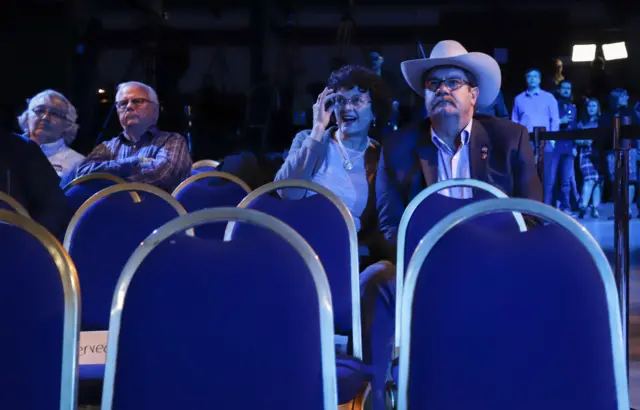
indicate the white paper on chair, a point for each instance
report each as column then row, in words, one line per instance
column 93, row 347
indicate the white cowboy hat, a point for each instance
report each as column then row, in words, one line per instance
column 450, row 52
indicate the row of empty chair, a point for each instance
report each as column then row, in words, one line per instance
column 473, row 272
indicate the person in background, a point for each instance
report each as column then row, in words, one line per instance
column 535, row 107
column 554, row 80
column 141, row 153
column 343, row 158
column 561, row 161
column 619, row 107
column 498, row 108
column 28, row 177
column 591, row 187
column 50, row 121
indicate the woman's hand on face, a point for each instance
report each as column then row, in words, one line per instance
column 321, row 115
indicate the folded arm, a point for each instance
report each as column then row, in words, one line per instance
column 167, row 169
column 103, row 159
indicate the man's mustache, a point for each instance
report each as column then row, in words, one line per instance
column 442, row 101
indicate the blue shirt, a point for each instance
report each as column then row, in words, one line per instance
column 454, row 165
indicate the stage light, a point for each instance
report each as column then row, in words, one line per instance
column 583, row 52
column 100, row 91
column 615, row 51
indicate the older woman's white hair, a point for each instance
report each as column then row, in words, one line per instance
column 49, row 96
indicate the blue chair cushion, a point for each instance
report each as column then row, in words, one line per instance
column 436, row 206
column 78, row 194
column 512, row 320
column 32, row 315
column 323, row 227
column 215, row 324
column 353, row 376
column 105, row 236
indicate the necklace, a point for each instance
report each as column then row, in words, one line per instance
column 348, row 162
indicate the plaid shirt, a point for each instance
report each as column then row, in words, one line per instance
column 159, row 158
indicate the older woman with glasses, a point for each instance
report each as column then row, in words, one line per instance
column 344, row 158
column 50, row 121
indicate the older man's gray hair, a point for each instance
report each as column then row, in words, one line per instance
column 153, row 96
column 50, row 96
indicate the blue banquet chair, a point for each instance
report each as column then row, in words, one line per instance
column 204, row 165
column 9, row 203
column 428, row 208
column 526, row 320
column 81, row 189
column 210, row 190
column 326, row 224
column 40, row 311
column 100, row 238
column 221, row 324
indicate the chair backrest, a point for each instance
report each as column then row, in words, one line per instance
column 215, row 324
column 427, row 209
column 40, row 308
column 326, row 224
column 102, row 235
column 205, row 165
column 526, row 319
column 9, row 203
column 211, row 190
column 81, row 189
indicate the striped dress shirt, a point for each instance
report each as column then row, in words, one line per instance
column 159, row 158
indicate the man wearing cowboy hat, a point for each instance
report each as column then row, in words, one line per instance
column 453, row 143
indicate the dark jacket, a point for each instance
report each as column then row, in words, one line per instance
column 304, row 159
column 27, row 175
column 499, row 154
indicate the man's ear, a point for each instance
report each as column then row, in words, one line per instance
column 475, row 93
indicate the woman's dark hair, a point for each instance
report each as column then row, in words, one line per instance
column 586, row 118
column 365, row 79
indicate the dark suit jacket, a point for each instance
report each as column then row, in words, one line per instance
column 27, row 175
column 409, row 164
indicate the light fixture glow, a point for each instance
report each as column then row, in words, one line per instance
column 583, row 52
column 615, row 51
column 100, row 91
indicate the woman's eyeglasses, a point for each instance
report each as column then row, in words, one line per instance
column 356, row 102
column 136, row 102
column 54, row 115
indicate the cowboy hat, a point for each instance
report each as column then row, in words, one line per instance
column 451, row 53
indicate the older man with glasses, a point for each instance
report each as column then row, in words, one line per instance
column 453, row 142
column 50, row 121
column 141, row 153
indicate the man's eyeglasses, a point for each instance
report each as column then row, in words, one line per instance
column 433, row 84
column 136, row 102
column 54, row 115
column 356, row 102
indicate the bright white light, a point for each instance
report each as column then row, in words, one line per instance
column 615, row 51
column 583, row 52
column 100, row 91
